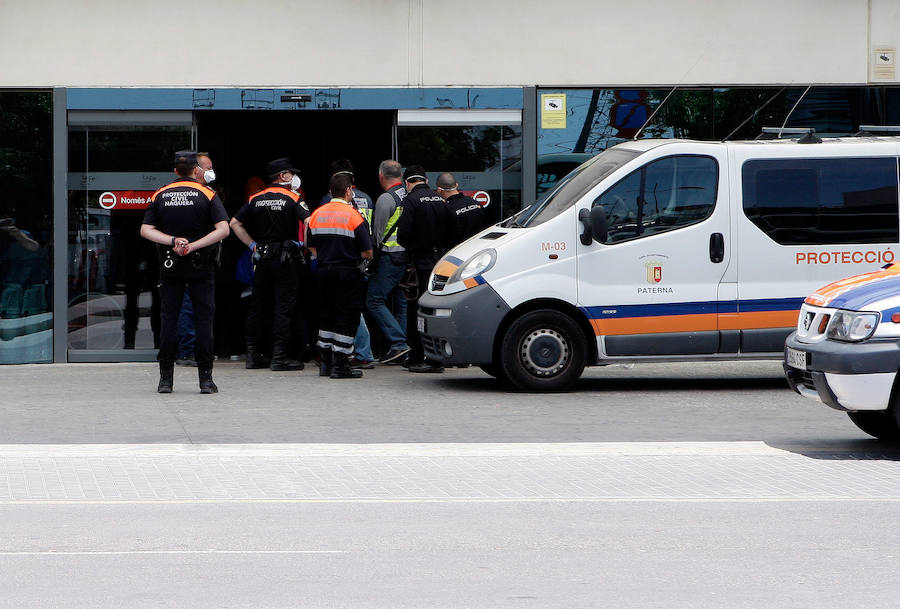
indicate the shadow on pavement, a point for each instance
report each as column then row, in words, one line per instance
column 843, row 450
column 620, row 384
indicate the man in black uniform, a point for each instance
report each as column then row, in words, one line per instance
column 187, row 220
column 269, row 224
column 466, row 216
column 421, row 229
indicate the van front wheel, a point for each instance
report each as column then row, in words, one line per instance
column 543, row 350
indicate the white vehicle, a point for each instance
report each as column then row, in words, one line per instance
column 664, row 250
column 844, row 352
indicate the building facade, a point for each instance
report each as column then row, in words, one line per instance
column 95, row 96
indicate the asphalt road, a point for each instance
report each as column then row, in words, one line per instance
column 738, row 401
column 688, row 485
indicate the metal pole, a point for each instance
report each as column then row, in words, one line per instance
column 529, row 146
column 60, row 227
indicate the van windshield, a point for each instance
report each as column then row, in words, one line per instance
column 572, row 187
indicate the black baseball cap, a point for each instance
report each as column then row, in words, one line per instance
column 186, row 157
column 415, row 173
column 279, row 165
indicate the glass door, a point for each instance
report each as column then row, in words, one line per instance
column 481, row 148
column 26, row 227
column 116, row 161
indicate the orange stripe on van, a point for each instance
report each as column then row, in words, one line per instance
column 654, row 325
column 445, row 268
column 693, row 323
column 758, row 319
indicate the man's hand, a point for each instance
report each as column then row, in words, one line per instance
column 182, row 246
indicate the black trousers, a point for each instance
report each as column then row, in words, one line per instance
column 202, row 288
column 342, row 292
column 416, row 352
column 275, row 297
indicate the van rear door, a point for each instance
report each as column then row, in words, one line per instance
column 652, row 287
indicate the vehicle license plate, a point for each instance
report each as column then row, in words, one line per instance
column 420, row 324
column 796, row 359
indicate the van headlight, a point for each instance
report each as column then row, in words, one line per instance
column 851, row 326
column 476, row 265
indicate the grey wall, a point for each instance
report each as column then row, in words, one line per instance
column 290, row 43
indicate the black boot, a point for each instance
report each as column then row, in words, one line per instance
column 166, row 378
column 206, row 382
column 325, row 361
column 281, row 361
column 342, row 369
column 255, row 360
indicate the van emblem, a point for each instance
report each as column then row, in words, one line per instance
column 654, row 271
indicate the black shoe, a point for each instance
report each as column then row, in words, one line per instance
column 281, row 365
column 346, row 373
column 326, row 358
column 426, row 367
column 166, row 378
column 206, row 382
column 186, row 361
column 341, row 368
column 255, row 362
column 393, row 357
column 355, row 362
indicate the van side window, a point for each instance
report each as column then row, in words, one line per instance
column 666, row 194
column 823, row 201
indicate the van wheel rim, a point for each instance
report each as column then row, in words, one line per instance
column 544, row 352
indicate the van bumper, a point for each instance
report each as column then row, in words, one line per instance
column 846, row 376
column 469, row 329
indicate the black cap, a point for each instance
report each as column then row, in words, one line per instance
column 415, row 173
column 186, row 157
column 279, row 165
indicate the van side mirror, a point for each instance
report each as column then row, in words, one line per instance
column 595, row 225
column 599, row 225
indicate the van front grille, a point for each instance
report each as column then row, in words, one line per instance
column 438, row 282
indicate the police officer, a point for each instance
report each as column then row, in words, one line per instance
column 187, row 220
column 466, row 216
column 268, row 224
column 421, row 229
column 338, row 237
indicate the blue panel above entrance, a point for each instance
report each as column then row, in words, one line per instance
column 293, row 99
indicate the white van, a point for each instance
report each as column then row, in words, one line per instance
column 664, row 250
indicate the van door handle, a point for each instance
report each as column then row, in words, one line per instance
column 717, row 247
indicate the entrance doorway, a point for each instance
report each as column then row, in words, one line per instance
column 118, row 159
column 241, row 143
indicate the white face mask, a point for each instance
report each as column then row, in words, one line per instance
column 209, row 176
column 295, row 183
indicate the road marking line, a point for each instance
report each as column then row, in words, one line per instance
column 507, row 449
column 140, row 552
column 350, row 500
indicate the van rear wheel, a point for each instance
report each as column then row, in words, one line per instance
column 543, row 350
column 881, row 424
